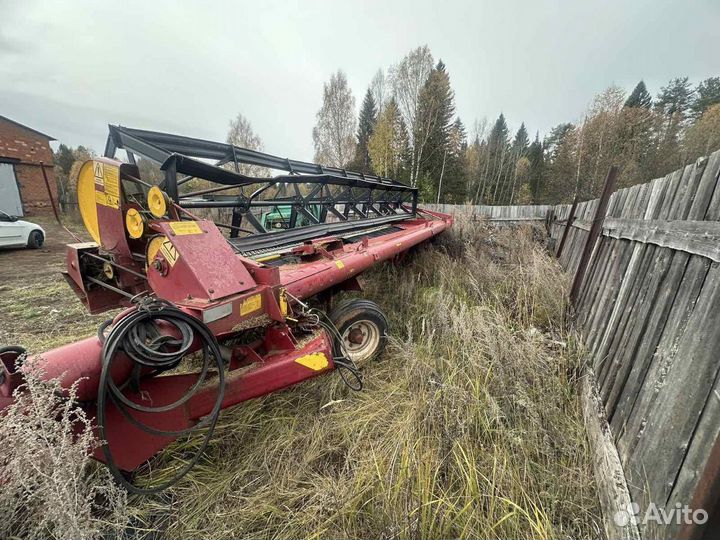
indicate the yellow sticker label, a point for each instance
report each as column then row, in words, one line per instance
column 100, row 198
column 283, row 302
column 250, row 304
column 99, row 172
column 112, row 201
column 315, row 361
column 108, row 178
column 339, row 264
column 112, row 182
column 185, row 227
column 169, row 252
column 106, row 200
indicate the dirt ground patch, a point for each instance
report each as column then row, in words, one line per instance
column 38, row 310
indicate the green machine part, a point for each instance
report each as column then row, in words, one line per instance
column 279, row 218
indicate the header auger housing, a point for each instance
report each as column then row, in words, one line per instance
column 231, row 305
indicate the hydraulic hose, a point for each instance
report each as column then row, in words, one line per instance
column 341, row 359
column 138, row 336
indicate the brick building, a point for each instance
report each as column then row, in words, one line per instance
column 22, row 187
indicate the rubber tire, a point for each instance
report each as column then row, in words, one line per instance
column 35, row 240
column 351, row 311
column 19, row 351
column 13, row 348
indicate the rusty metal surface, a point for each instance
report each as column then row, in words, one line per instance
column 568, row 224
column 707, row 497
column 595, row 229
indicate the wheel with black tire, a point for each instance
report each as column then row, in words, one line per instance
column 362, row 327
column 35, row 240
column 12, row 349
column 8, row 357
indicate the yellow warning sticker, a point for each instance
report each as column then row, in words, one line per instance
column 169, row 252
column 100, row 198
column 185, row 227
column 340, row 264
column 98, row 169
column 282, row 297
column 315, row 361
column 107, row 200
column 112, row 182
column 107, row 177
column 250, row 304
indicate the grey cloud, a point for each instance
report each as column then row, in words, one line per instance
column 189, row 67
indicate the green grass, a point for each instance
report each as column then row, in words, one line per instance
column 45, row 314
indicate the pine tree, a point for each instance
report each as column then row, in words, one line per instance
column 555, row 139
column 64, row 158
column 366, row 125
column 561, row 163
column 474, row 161
column 708, row 94
column 436, row 110
column 639, row 97
column 453, row 188
column 675, row 98
column 499, row 156
column 673, row 102
column 499, row 132
column 536, row 158
column 521, row 141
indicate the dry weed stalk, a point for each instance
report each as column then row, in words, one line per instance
column 49, row 485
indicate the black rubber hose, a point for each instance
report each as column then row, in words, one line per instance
column 342, row 360
column 137, row 335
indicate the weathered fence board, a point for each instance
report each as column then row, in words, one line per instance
column 612, row 488
column 649, row 314
column 657, row 274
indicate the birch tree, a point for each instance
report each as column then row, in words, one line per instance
column 241, row 134
column 388, row 143
column 379, row 90
column 334, row 132
column 408, row 79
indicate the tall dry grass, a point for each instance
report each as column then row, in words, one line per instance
column 49, row 485
column 469, row 426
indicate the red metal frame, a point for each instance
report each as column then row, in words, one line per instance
column 197, row 270
column 258, row 379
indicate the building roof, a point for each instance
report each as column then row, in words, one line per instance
column 48, row 137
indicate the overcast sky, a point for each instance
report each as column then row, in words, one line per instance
column 70, row 68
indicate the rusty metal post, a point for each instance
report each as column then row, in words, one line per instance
column 568, row 224
column 595, row 230
column 47, row 185
column 549, row 218
column 707, row 497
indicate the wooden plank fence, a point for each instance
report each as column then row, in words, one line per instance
column 496, row 214
column 649, row 312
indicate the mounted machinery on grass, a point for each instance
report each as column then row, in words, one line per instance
column 214, row 319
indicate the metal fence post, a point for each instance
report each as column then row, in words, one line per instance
column 568, row 224
column 594, row 233
column 52, row 200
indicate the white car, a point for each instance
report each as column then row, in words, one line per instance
column 15, row 232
